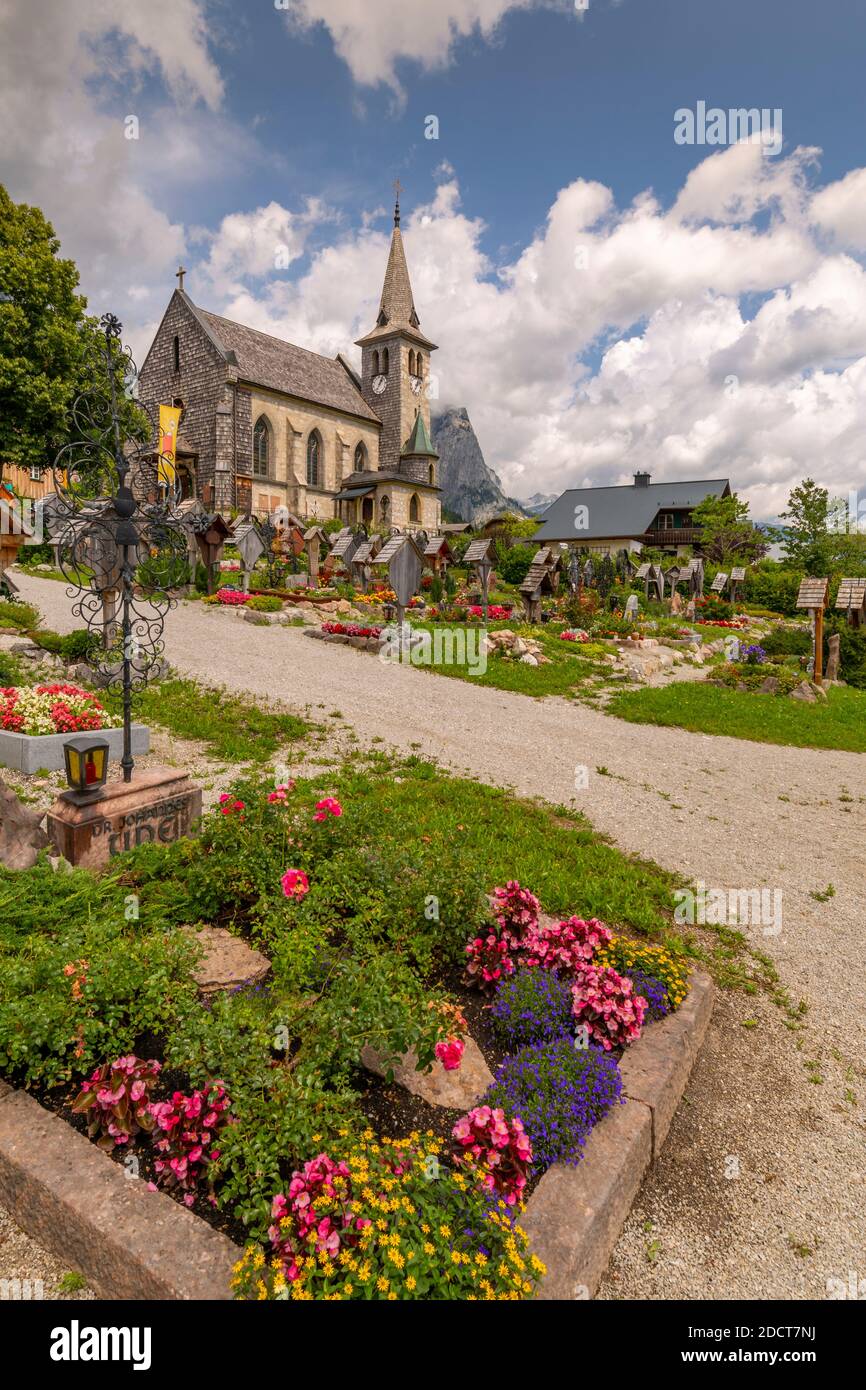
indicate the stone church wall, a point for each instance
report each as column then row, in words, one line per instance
column 199, row 383
column 291, row 423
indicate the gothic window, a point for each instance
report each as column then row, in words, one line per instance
column 385, row 361
column 176, row 353
column 384, row 508
column 261, row 448
column 314, row 459
column 361, row 458
column 414, row 512
column 419, row 365
column 412, row 362
column 376, row 362
column 432, row 476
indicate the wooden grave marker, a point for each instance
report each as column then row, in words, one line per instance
column 813, row 596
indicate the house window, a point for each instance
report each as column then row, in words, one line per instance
column 176, row 353
column 667, row 521
column 36, row 474
column 261, row 448
column 414, row 510
column 314, row 459
column 360, row 458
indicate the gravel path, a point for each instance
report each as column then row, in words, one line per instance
column 760, row 1190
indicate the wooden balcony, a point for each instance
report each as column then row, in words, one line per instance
column 674, row 535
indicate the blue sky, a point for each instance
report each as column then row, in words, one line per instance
column 555, row 95
column 717, row 324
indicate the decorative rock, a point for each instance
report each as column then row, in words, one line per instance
column 21, row 836
column 457, row 1090
column 833, row 657
column 529, row 660
column 227, row 961
column 770, row 685
column 519, row 647
column 805, row 692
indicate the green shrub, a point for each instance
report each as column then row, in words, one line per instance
column 772, row 587
column 788, row 641
column 265, row 603
column 514, row 563
column 71, row 646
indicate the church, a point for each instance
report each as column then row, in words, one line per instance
column 265, row 423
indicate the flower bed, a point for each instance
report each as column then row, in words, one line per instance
column 232, row 598
column 351, row 629
column 248, row 1109
column 52, row 709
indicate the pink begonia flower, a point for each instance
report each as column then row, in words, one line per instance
column 327, row 807
column 450, row 1053
column 295, row 883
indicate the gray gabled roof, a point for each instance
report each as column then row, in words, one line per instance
column 271, row 362
column 621, row 511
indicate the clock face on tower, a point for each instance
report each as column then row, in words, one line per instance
column 379, row 384
column 416, row 383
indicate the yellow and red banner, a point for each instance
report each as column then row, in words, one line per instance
column 169, row 421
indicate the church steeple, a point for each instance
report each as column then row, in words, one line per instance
column 397, row 304
column 395, row 370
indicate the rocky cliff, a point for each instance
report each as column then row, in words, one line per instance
column 470, row 489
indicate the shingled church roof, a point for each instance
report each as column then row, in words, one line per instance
column 277, row 365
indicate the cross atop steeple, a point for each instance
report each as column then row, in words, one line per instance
column 398, row 189
column 180, row 273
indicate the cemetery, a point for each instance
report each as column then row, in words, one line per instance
column 373, row 841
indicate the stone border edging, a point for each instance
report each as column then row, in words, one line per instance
column 73, row 1199
column 575, row 1215
column 31, row 752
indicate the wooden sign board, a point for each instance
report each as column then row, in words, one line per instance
column 643, row 572
column 738, row 574
column 813, row 593
column 719, row 583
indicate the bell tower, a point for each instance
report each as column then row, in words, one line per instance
column 395, row 360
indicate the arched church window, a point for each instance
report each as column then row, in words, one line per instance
column 261, row 448
column 419, row 364
column 384, row 508
column 414, row 510
column 360, row 457
column 432, row 476
column 412, row 362
column 314, row 459
column 176, row 353
column 386, row 363
column 376, row 362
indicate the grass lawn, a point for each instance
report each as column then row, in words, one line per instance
column 233, row 728
column 712, row 709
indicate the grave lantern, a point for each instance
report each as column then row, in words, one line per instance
column 86, row 761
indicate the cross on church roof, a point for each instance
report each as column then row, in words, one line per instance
column 398, row 189
column 179, row 274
